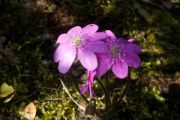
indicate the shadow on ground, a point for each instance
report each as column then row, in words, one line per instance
column 29, row 29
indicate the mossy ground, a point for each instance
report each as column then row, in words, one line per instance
column 28, row 32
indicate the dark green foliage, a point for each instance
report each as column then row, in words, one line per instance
column 30, row 36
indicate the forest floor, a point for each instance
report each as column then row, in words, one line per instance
column 28, row 33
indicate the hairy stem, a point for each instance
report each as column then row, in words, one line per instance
column 105, row 92
column 126, row 88
column 108, row 102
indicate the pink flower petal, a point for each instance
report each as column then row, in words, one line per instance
column 75, row 31
column 131, row 40
column 66, row 57
column 104, row 64
column 88, row 59
column 98, row 36
column 63, row 38
column 110, row 34
column 123, row 41
column 84, row 88
column 57, row 54
column 120, row 69
column 90, row 29
column 133, row 60
column 91, row 80
column 89, row 84
column 133, row 48
column 97, row 46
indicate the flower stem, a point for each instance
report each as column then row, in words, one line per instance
column 125, row 90
column 102, row 86
column 100, row 83
column 108, row 102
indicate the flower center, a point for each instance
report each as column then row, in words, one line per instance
column 77, row 41
column 115, row 51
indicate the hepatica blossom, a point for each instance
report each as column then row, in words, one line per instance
column 98, row 52
column 121, row 54
column 88, row 85
column 81, row 44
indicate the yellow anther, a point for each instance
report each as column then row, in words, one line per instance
column 77, row 41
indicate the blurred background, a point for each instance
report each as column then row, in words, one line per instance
column 29, row 30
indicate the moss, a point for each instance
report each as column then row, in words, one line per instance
column 35, row 76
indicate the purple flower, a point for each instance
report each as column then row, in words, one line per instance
column 88, row 85
column 121, row 54
column 81, row 44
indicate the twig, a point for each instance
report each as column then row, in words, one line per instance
column 66, row 90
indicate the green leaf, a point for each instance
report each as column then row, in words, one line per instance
column 6, row 90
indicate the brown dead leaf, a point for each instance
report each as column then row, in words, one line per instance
column 30, row 111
